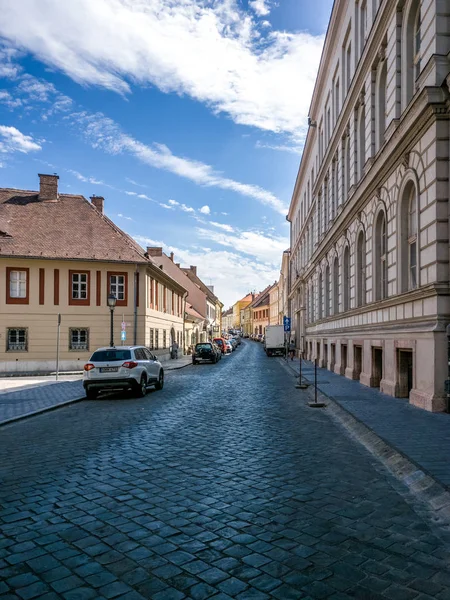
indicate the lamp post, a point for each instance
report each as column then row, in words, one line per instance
column 112, row 305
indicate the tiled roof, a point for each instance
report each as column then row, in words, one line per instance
column 191, row 311
column 70, row 228
column 263, row 297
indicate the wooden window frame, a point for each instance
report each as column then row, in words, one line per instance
column 41, row 286
column 80, row 302
column 71, row 329
column 7, row 339
column 123, row 274
column 56, row 287
column 9, row 299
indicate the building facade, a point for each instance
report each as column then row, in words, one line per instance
column 274, row 305
column 369, row 213
column 237, row 310
column 60, row 258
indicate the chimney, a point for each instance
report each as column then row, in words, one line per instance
column 98, row 202
column 171, row 256
column 48, row 188
column 154, row 251
column 194, row 270
column 177, row 264
column 210, row 288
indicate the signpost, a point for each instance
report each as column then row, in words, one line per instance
column 287, row 324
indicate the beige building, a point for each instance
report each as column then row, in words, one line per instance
column 61, row 255
column 214, row 306
column 227, row 320
column 283, row 287
column 238, row 307
column 370, row 208
column 274, row 305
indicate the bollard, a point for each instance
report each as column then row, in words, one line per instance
column 300, row 385
column 316, row 404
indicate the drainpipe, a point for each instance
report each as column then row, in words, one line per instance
column 136, row 275
column 184, row 320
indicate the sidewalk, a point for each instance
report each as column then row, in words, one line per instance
column 421, row 436
column 22, row 397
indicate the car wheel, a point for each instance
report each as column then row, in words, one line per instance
column 91, row 394
column 194, row 362
column 160, row 383
column 141, row 389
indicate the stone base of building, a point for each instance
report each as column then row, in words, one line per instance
column 429, row 402
column 352, row 374
column 388, row 387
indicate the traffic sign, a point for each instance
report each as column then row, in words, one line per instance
column 287, row 323
column 124, row 325
column 123, row 335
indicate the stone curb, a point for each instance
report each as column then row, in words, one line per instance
column 424, row 487
column 40, row 411
column 60, row 404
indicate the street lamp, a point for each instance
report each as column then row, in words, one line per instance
column 112, row 305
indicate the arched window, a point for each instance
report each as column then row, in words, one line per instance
column 380, row 257
column 408, row 239
column 319, row 216
column 346, row 279
column 361, row 141
column 411, row 43
column 336, row 286
column 333, row 190
column 327, row 291
column 361, row 269
column 380, row 105
column 320, row 294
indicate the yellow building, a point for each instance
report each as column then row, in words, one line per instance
column 260, row 311
column 274, row 305
column 60, row 255
column 238, row 307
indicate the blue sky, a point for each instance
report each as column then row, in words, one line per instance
column 188, row 116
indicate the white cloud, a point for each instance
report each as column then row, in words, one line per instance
column 214, row 52
column 13, row 140
column 220, row 268
column 262, row 247
column 7, row 99
column 124, row 217
column 86, row 179
column 105, row 134
column 281, row 147
column 261, row 7
column 187, row 209
column 205, row 210
column 221, row 226
column 174, row 203
column 166, row 206
column 135, row 182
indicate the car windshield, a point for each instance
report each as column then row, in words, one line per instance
column 203, row 347
column 110, row 355
column 218, row 342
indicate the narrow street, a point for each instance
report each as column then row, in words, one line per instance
column 223, row 485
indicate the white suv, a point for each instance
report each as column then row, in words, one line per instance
column 123, row 368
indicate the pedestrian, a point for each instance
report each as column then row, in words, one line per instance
column 292, row 349
column 174, row 351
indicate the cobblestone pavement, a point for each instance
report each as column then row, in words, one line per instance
column 38, row 394
column 224, row 485
column 422, row 436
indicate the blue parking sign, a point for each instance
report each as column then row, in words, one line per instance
column 123, row 335
column 287, row 323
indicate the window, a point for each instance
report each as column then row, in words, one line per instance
column 327, row 291
column 320, row 290
column 156, row 339
column 336, row 286
column 411, row 51
column 78, row 339
column 152, row 339
column 361, row 141
column 361, row 270
column 117, row 285
column 164, row 338
column 380, row 105
column 408, row 239
column 79, row 284
column 18, row 285
column 380, row 257
column 17, row 340
column 346, row 278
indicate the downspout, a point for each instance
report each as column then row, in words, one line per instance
column 184, row 320
column 136, row 291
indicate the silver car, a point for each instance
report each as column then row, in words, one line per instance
column 124, row 368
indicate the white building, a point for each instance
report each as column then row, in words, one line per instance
column 370, row 208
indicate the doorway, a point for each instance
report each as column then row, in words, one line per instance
column 357, row 361
column 405, row 372
column 343, row 358
column 377, row 366
column 333, row 357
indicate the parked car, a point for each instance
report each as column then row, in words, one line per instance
column 233, row 343
column 221, row 343
column 228, row 347
column 124, row 368
column 206, row 351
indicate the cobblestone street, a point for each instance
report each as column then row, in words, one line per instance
column 223, row 485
